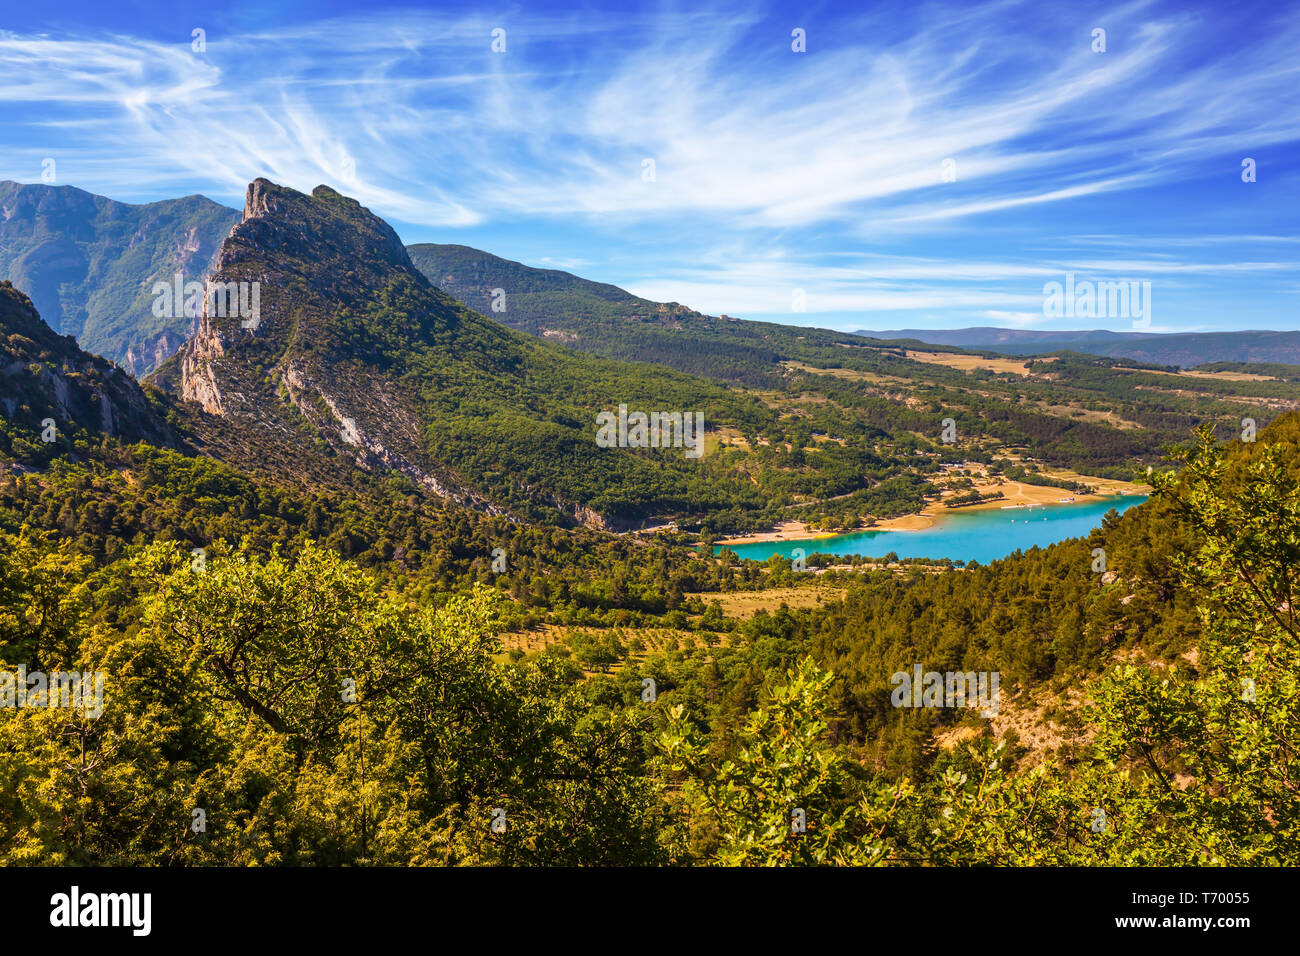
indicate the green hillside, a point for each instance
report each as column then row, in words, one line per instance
column 1096, row 415
column 606, row 320
column 356, row 351
column 224, row 674
column 343, row 664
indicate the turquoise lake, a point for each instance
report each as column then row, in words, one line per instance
column 964, row 536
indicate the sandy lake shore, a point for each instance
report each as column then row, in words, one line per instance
column 1015, row 493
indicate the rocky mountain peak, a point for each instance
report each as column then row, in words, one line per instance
column 315, row 268
column 320, row 225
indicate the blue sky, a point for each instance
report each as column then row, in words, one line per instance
column 774, row 171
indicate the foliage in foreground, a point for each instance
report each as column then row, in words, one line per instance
column 264, row 709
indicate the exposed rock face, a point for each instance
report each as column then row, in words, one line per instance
column 198, row 378
column 144, row 355
column 400, row 428
column 354, row 359
column 47, row 377
column 311, row 258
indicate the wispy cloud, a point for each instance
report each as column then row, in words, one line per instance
column 906, row 127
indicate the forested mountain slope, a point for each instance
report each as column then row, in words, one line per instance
column 90, row 263
column 356, row 351
column 1097, row 415
column 58, row 399
column 226, row 602
column 361, row 361
column 224, row 687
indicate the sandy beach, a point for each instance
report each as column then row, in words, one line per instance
column 1014, row 493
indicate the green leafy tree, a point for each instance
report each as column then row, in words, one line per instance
column 786, row 797
column 1188, row 764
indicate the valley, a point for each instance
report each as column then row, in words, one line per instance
column 385, row 486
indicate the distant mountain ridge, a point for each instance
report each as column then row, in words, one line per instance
column 89, row 264
column 1184, row 349
column 475, row 275
column 606, row 320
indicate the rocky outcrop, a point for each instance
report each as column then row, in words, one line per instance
column 345, row 363
column 46, row 377
column 147, row 354
column 392, row 444
column 282, row 368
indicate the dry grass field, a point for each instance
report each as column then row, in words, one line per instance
column 966, row 363
column 743, row 605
